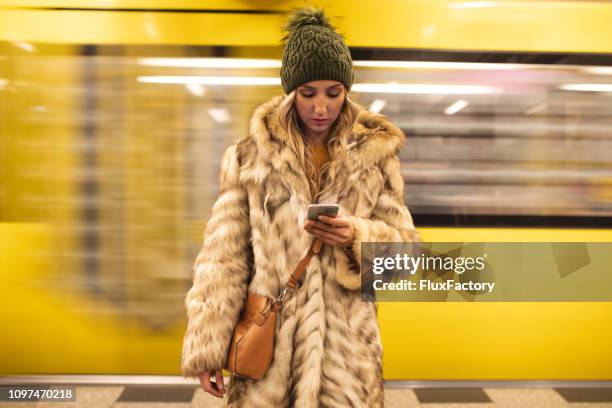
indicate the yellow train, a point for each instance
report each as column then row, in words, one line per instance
column 113, row 118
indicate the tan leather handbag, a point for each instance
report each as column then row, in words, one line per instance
column 252, row 347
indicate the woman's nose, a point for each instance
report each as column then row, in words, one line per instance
column 320, row 108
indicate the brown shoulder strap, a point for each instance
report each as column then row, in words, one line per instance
column 315, row 248
column 277, row 303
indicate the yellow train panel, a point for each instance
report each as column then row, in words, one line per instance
column 553, row 26
column 50, row 332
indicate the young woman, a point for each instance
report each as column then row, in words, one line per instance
column 312, row 145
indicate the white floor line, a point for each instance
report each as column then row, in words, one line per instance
column 177, row 380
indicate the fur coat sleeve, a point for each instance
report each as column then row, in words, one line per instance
column 220, row 275
column 390, row 222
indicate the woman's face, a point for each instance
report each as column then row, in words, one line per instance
column 318, row 104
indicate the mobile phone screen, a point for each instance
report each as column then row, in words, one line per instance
column 314, row 210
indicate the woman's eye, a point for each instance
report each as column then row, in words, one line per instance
column 310, row 95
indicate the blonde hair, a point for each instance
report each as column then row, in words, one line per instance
column 337, row 141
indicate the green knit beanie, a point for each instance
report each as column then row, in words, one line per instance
column 314, row 51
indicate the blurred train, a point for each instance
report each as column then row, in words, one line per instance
column 114, row 116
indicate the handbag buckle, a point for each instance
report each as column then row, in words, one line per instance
column 280, row 298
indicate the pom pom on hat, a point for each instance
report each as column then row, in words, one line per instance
column 307, row 16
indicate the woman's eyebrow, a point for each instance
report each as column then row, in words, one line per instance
column 312, row 88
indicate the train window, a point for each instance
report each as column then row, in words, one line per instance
column 489, row 143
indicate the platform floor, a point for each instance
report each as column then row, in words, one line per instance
column 181, row 396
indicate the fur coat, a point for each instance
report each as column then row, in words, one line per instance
column 328, row 351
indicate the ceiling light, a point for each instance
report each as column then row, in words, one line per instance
column 196, row 89
column 422, row 88
column 210, row 62
column 598, row 70
column 377, row 105
column 437, row 65
column 24, row 46
column 210, row 80
column 220, row 115
column 456, row 107
column 537, row 108
column 587, row 87
column 39, row 108
column 273, row 63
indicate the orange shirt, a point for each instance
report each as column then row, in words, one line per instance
column 321, row 156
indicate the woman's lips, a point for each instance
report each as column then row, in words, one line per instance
column 320, row 121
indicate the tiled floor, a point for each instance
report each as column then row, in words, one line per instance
column 138, row 396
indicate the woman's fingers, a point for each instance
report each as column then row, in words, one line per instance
column 205, row 381
column 207, row 385
column 323, row 226
column 340, row 233
column 326, row 237
column 337, row 221
column 325, row 234
column 203, row 377
column 219, row 377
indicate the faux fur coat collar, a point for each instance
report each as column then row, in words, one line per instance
column 328, row 351
column 374, row 139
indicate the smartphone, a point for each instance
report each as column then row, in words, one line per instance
column 330, row 210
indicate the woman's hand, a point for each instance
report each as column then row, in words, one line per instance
column 334, row 231
column 215, row 388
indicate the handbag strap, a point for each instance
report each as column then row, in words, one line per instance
column 291, row 284
column 315, row 248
